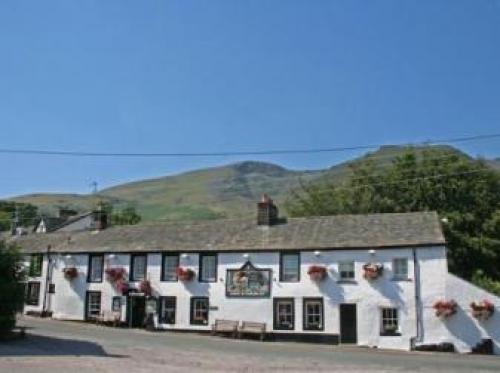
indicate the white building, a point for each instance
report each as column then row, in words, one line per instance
column 306, row 278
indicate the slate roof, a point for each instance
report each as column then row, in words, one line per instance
column 311, row 233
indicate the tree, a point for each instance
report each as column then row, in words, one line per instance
column 465, row 191
column 11, row 286
column 27, row 214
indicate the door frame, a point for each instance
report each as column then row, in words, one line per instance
column 355, row 306
column 86, row 307
column 130, row 301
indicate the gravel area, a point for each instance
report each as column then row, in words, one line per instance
column 58, row 346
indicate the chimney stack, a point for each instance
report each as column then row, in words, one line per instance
column 267, row 212
column 100, row 218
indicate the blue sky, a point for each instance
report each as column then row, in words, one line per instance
column 203, row 76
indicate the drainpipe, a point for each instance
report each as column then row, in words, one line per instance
column 418, row 302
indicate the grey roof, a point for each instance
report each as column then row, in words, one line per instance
column 325, row 232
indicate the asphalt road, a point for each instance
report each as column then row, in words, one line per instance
column 58, row 346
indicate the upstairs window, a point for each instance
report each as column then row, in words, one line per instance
column 35, row 269
column 33, row 294
column 313, row 314
column 208, row 268
column 96, row 263
column 400, row 268
column 169, row 267
column 290, row 267
column 138, row 263
column 389, row 322
column 346, row 271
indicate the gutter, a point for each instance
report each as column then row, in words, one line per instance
column 418, row 303
column 48, row 280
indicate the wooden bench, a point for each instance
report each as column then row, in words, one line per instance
column 250, row 327
column 225, row 326
column 106, row 317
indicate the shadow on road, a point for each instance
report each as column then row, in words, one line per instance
column 35, row 345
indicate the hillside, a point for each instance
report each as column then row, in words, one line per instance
column 228, row 191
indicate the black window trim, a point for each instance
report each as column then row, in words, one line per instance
column 191, row 309
column 116, row 299
column 162, row 276
column 160, row 303
column 276, row 300
column 313, row 299
column 282, row 254
column 87, row 298
column 200, row 266
column 131, row 274
column 89, row 268
column 28, row 300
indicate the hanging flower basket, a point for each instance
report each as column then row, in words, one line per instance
column 482, row 310
column 145, row 287
column 445, row 308
column 115, row 274
column 317, row 273
column 70, row 273
column 184, row 274
column 372, row 270
column 122, row 287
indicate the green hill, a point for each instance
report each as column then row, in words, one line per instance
column 229, row 191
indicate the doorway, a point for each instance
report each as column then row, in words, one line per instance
column 348, row 324
column 136, row 311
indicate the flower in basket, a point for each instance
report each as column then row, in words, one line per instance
column 122, row 287
column 145, row 287
column 317, row 273
column 115, row 274
column 184, row 274
column 372, row 270
column 482, row 310
column 70, row 273
column 445, row 308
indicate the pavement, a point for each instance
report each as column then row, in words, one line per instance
column 61, row 346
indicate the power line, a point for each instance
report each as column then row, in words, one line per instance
column 239, row 153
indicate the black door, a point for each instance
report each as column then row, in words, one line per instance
column 348, row 324
column 136, row 311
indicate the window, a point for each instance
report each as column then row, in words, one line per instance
column 389, row 322
column 346, row 271
column 167, row 310
column 400, row 268
column 95, row 268
column 138, row 267
column 199, row 311
column 93, row 308
column 33, row 293
column 35, row 269
column 169, row 267
column 290, row 267
column 313, row 314
column 116, row 306
column 284, row 314
column 208, row 268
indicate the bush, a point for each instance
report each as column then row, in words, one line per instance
column 11, row 286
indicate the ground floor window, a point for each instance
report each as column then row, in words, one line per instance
column 93, row 308
column 117, row 304
column 167, row 310
column 199, row 311
column 389, row 321
column 284, row 314
column 313, row 314
column 33, row 293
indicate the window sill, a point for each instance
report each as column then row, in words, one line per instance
column 347, row 282
column 398, row 279
column 390, row 334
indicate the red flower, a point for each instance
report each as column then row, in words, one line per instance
column 317, row 273
column 70, row 273
column 445, row 308
column 115, row 274
column 184, row 274
column 145, row 287
column 372, row 270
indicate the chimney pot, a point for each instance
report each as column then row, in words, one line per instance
column 267, row 212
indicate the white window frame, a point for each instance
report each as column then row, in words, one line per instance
column 397, row 265
column 341, row 270
column 390, row 318
column 316, row 324
column 199, row 306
